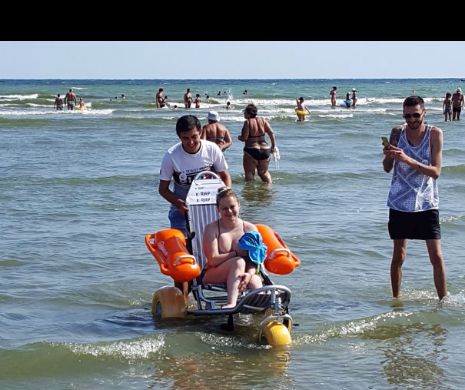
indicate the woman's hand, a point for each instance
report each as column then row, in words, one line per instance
column 244, row 281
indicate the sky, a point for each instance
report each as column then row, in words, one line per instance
column 231, row 59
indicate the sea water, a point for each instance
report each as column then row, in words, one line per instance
column 78, row 192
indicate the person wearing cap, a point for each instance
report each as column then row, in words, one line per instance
column 414, row 154
column 457, row 104
column 216, row 132
column 354, row 97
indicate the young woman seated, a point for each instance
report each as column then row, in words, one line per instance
column 226, row 262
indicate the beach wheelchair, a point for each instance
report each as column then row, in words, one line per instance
column 183, row 259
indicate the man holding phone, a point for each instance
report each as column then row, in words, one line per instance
column 415, row 152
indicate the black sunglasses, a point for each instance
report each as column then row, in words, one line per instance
column 414, row 115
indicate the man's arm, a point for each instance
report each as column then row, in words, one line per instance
column 433, row 170
column 227, row 139
column 436, row 142
column 165, row 192
column 226, row 178
column 388, row 161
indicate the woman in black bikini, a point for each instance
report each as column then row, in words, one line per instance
column 256, row 150
column 226, row 262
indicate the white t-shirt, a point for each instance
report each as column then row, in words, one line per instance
column 183, row 166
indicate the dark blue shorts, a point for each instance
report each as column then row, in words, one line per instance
column 422, row 225
column 177, row 220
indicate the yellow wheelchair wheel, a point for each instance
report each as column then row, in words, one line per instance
column 168, row 302
column 275, row 334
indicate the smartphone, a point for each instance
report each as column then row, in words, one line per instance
column 385, row 142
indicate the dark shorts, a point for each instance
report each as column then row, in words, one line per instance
column 177, row 220
column 423, row 225
column 457, row 109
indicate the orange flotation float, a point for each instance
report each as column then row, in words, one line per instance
column 168, row 246
column 279, row 259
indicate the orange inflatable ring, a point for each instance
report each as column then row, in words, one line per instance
column 279, row 259
column 168, row 246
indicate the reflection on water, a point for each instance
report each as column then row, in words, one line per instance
column 256, row 192
column 218, row 368
column 412, row 355
column 256, row 196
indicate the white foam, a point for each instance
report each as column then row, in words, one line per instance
column 140, row 349
column 19, row 97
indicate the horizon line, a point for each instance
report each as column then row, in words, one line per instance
column 247, row 79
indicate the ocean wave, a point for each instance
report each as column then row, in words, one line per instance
column 53, row 112
column 19, row 97
column 454, row 169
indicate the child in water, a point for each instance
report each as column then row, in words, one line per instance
column 447, row 107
